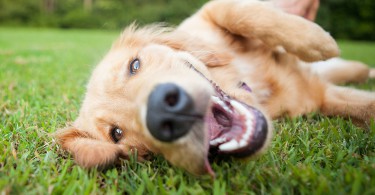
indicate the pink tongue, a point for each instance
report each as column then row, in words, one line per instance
column 209, row 169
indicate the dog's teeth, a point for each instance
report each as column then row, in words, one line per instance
column 221, row 103
column 217, row 141
column 239, row 108
column 230, row 146
column 243, row 143
column 249, row 125
column 215, row 99
column 249, row 129
column 226, row 108
column 249, row 121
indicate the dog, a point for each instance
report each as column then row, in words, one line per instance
column 211, row 86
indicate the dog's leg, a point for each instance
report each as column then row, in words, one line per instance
column 341, row 71
column 347, row 102
column 372, row 73
column 255, row 19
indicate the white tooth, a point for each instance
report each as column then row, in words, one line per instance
column 246, row 136
column 243, row 143
column 249, row 129
column 249, row 121
column 230, row 146
column 221, row 103
column 217, row 141
column 227, row 109
column 215, row 99
column 239, row 108
column 250, row 116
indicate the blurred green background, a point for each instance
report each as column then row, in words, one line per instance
column 344, row 19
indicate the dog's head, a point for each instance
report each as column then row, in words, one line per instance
column 153, row 93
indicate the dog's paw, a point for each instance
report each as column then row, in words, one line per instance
column 314, row 44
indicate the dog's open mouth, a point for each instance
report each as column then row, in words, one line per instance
column 234, row 128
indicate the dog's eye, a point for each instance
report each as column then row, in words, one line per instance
column 135, row 65
column 116, row 134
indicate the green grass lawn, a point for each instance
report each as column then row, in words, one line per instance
column 42, row 82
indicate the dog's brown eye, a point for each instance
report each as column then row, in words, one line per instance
column 135, row 65
column 116, row 134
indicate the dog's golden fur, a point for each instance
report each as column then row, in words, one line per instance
column 229, row 41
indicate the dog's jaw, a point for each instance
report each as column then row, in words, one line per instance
column 235, row 128
column 231, row 128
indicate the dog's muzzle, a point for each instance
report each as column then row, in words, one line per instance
column 170, row 112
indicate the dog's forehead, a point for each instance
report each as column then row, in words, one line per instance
column 158, row 48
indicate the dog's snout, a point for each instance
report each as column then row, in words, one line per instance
column 170, row 112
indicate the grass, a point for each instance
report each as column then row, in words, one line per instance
column 42, row 81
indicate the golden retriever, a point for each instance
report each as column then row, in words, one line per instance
column 211, row 87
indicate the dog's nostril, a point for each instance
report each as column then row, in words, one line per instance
column 167, row 129
column 171, row 98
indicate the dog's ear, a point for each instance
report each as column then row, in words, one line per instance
column 87, row 151
column 203, row 51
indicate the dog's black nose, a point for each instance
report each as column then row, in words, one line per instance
column 170, row 112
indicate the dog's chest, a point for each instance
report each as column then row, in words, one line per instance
column 243, row 66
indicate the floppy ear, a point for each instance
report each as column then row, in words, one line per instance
column 87, row 151
column 203, row 51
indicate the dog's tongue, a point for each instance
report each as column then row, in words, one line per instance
column 208, row 168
